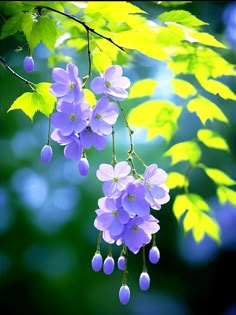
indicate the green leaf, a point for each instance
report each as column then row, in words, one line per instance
column 158, row 117
column 183, row 88
column 216, row 87
column 30, row 31
column 182, row 17
column 219, row 177
column 226, row 194
column 212, row 139
column 176, row 179
column 12, row 25
column 184, row 151
column 41, row 29
column 39, row 100
column 205, row 110
column 142, row 88
column 196, row 216
column 172, row 3
column 143, row 42
column 47, row 30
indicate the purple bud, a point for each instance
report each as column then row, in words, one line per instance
column 144, row 281
column 28, row 64
column 83, row 166
column 124, row 294
column 154, row 255
column 97, row 262
column 121, row 263
column 108, row 265
column 46, row 154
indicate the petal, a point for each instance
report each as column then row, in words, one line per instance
column 58, row 89
column 113, row 72
column 73, row 151
column 60, row 76
column 116, row 227
column 105, row 172
column 122, row 169
column 122, row 82
column 117, row 93
column 99, row 142
column 109, row 189
column 97, row 85
column 72, row 71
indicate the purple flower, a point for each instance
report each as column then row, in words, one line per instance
column 112, row 84
column 83, row 166
column 71, row 118
column 46, row 154
column 67, row 84
column 104, row 115
column 73, row 148
column 115, row 180
column 134, row 201
column 139, row 232
column 90, row 138
column 28, row 64
column 97, row 262
column 111, row 217
column 144, row 281
column 124, row 294
column 156, row 192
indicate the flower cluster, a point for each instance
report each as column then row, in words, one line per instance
column 124, row 212
column 78, row 126
column 123, row 216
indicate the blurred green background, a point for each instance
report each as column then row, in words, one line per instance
column 47, row 237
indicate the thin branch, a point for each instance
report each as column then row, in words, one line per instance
column 30, row 84
column 87, row 28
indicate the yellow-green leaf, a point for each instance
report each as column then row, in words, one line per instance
column 180, row 205
column 176, row 179
column 219, row 177
column 89, row 97
column 201, row 61
column 27, row 102
column 183, row 88
column 158, row 117
column 205, row 109
column 101, row 61
column 48, row 102
column 197, row 216
column 212, row 139
column 39, row 100
column 226, row 194
column 215, row 87
column 142, row 88
column 184, row 151
column 182, row 17
column 143, row 42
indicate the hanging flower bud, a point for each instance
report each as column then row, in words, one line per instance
column 29, row 64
